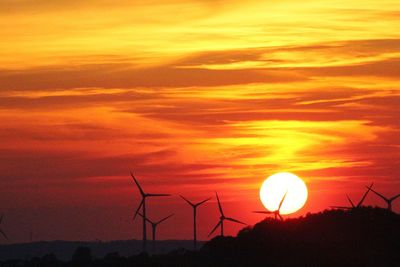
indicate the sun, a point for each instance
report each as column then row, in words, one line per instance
column 274, row 188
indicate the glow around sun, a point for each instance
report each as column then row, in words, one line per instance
column 274, row 188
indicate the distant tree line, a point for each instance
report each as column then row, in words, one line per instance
column 362, row 237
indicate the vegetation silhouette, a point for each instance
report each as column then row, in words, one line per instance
column 64, row 250
column 365, row 236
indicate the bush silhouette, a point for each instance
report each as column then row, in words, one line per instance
column 82, row 256
column 361, row 237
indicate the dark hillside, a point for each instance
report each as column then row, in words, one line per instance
column 361, row 237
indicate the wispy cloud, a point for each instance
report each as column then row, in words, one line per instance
column 207, row 95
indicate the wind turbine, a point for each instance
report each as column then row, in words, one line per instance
column 194, row 206
column 222, row 218
column 388, row 200
column 359, row 204
column 143, row 206
column 154, row 227
column 1, row 231
column 277, row 213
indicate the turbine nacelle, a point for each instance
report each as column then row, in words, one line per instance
column 194, row 206
column 222, row 218
column 153, row 223
column 277, row 213
column 144, row 196
column 359, row 204
column 386, row 199
column 142, row 206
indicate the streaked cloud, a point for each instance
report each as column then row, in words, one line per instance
column 210, row 95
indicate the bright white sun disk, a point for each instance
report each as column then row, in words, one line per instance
column 274, row 188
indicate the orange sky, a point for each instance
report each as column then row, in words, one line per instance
column 194, row 96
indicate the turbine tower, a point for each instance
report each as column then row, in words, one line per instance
column 359, row 204
column 277, row 213
column 143, row 206
column 194, row 206
column 222, row 218
column 388, row 200
column 1, row 231
column 154, row 227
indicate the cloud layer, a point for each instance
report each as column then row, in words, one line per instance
column 217, row 98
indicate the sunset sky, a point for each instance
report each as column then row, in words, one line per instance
column 194, row 97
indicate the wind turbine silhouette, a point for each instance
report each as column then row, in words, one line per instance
column 277, row 213
column 222, row 218
column 1, row 231
column 143, row 206
column 154, row 227
column 194, row 206
column 359, row 204
column 388, row 200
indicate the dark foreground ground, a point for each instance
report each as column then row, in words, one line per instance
column 64, row 250
column 360, row 237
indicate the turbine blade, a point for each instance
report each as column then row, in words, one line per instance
column 4, row 234
column 190, row 203
column 138, row 185
column 158, row 195
column 379, row 195
column 280, row 216
column 351, row 202
column 395, row 197
column 365, row 195
column 219, row 205
column 166, row 218
column 204, row 201
column 283, row 199
column 137, row 210
column 147, row 219
column 234, row 220
column 215, row 228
